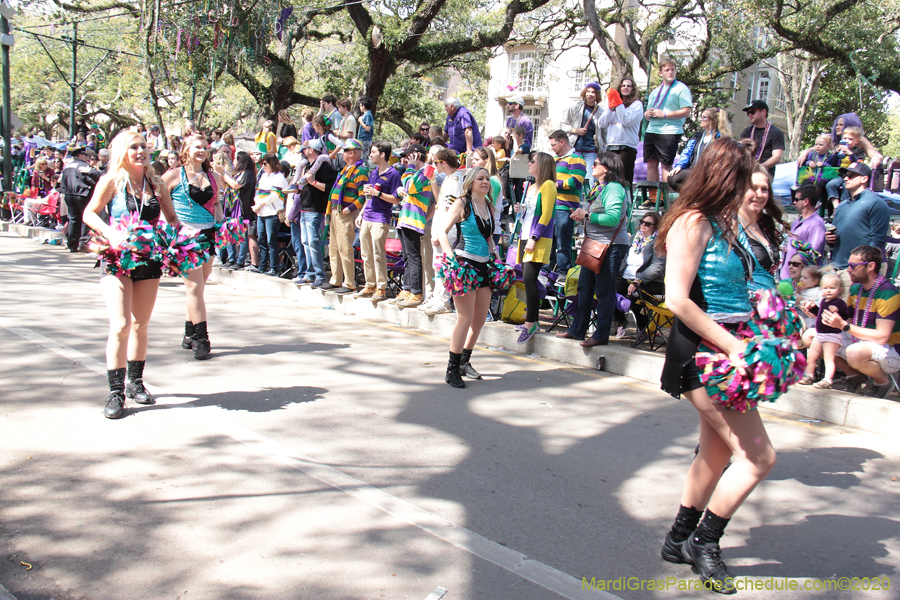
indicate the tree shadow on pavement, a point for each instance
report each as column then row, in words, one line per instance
column 267, row 349
column 592, row 493
column 258, row 401
column 823, row 467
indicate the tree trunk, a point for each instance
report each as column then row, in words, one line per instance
column 799, row 78
column 381, row 67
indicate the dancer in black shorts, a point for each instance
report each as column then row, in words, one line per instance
column 130, row 187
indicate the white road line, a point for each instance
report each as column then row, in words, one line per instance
column 516, row 563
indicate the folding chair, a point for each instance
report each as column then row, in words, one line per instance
column 395, row 266
column 658, row 317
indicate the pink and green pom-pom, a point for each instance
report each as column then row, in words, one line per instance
column 180, row 251
column 231, row 232
column 136, row 249
column 459, row 278
column 502, row 275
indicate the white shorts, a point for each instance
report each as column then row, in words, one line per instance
column 886, row 356
column 834, row 338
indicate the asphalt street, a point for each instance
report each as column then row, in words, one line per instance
column 318, row 455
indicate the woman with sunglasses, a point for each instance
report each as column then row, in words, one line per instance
column 642, row 270
column 603, row 223
column 713, row 124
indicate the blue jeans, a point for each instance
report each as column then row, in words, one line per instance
column 589, row 158
column 835, row 189
column 267, row 231
column 603, row 285
column 563, row 230
column 297, row 245
column 310, row 229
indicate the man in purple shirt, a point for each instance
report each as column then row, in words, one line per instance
column 516, row 104
column 374, row 221
column 809, row 228
column 461, row 127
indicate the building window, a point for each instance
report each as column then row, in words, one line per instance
column 735, row 81
column 581, row 79
column 762, row 92
column 762, row 38
column 780, row 98
column 750, row 88
column 532, row 112
column 526, row 71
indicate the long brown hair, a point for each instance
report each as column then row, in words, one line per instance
column 771, row 219
column 634, row 96
column 185, row 150
column 715, row 189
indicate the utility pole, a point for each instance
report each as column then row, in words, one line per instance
column 6, row 41
column 72, row 83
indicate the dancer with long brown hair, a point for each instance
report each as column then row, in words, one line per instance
column 707, row 271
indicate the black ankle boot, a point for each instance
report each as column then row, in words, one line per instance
column 706, row 556
column 134, row 384
column 465, row 368
column 188, row 335
column 200, row 341
column 685, row 524
column 115, row 402
column 453, row 377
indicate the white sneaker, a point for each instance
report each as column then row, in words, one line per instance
column 620, row 332
column 438, row 309
column 426, row 305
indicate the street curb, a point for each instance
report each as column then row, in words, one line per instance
column 5, row 595
column 38, row 233
column 868, row 414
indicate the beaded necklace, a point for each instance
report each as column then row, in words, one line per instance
column 871, row 298
column 762, row 143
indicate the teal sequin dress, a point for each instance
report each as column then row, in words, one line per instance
column 720, row 289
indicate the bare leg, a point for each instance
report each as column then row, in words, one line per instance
column 726, row 433
column 860, row 358
column 253, row 244
column 117, row 294
column 812, row 357
column 665, row 172
column 194, row 286
column 829, row 349
column 482, row 305
column 652, row 170
column 465, row 313
column 143, row 300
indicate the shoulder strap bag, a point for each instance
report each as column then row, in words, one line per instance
column 593, row 253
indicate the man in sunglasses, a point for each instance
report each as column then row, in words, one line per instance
column 871, row 336
column 861, row 221
column 769, row 139
column 809, row 228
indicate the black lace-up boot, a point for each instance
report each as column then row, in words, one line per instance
column 453, row 377
column 115, row 402
column 201, row 341
column 465, row 368
column 134, row 385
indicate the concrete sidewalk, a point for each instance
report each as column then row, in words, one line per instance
column 869, row 414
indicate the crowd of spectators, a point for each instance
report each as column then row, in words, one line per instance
column 327, row 186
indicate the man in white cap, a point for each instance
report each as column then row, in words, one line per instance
column 516, row 105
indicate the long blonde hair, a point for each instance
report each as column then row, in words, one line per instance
column 118, row 153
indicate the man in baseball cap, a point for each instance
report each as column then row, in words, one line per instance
column 516, row 106
column 861, row 221
column 769, row 138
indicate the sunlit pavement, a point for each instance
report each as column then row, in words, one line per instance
column 321, row 456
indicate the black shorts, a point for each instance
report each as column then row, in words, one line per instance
column 208, row 236
column 680, row 372
column 482, row 271
column 661, row 147
column 251, row 227
column 152, row 270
